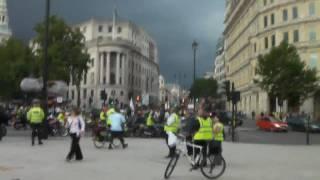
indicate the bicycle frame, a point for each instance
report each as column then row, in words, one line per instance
column 182, row 149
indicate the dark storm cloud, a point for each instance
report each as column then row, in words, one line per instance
column 174, row 24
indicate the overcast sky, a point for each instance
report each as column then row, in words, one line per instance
column 174, row 24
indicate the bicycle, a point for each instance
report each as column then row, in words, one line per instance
column 102, row 136
column 209, row 167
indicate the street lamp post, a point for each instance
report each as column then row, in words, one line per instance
column 46, row 61
column 194, row 47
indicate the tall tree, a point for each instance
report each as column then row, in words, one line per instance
column 284, row 76
column 204, row 88
column 68, row 57
column 17, row 62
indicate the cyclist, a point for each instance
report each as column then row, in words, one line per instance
column 204, row 126
column 150, row 121
column 171, row 128
column 61, row 117
column 103, row 114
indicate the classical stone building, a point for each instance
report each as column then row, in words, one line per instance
column 125, row 63
column 219, row 63
column 253, row 27
column 162, row 89
column 5, row 31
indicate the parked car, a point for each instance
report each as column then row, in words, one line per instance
column 226, row 118
column 270, row 123
column 300, row 123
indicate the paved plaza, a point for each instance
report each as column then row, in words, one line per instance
column 144, row 160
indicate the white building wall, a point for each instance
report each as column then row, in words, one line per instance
column 130, row 49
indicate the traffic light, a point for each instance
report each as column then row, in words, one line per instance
column 236, row 97
column 227, row 89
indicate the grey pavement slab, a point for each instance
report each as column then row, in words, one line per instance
column 144, row 160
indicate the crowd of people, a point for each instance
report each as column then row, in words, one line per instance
column 201, row 127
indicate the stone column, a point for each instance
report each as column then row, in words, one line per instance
column 108, row 68
column 118, row 69
column 124, row 66
column 101, row 67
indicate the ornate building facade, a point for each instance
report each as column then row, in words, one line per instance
column 124, row 64
column 5, row 31
column 253, row 27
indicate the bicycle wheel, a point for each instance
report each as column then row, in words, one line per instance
column 214, row 167
column 99, row 141
column 172, row 164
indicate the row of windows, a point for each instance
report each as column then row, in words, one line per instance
column 295, row 14
column 91, row 95
column 265, row 2
column 101, row 29
column 296, row 38
column 3, row 18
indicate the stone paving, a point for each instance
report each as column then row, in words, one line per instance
column 144, row 160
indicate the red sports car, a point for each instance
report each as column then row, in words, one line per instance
column 271, row 124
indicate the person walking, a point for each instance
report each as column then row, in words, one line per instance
column 76, row 127
column 116, row 123
column 36, row 116
column 171, row 128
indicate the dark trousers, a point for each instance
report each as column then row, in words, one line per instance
column 75, row 148
column 215, row 148
column 116, row 134
column 189, row 148
column 204, row 145
column 36, row 131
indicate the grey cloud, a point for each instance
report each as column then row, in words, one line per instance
column 174, row 24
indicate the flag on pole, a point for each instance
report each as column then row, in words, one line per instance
column 131, row 105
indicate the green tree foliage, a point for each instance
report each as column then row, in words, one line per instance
column 17, row 62
column 68, row 57
column 204, row 88
column 284, row 76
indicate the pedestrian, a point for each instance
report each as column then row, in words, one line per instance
column 253, row 115
column 76, row 128
column 36, row 116
column 172, row 128
column 116, row 122
column 218, row 138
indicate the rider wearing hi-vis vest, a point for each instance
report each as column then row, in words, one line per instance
column 150, row 120
column 171, row 128
column 205, row 131
column 109, row 113
column 174, row 127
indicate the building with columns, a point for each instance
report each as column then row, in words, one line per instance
column 162, row 89
column 124, row 64
column 5, row 31
column 252, row 28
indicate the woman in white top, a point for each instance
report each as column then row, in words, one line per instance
column 76, row 128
